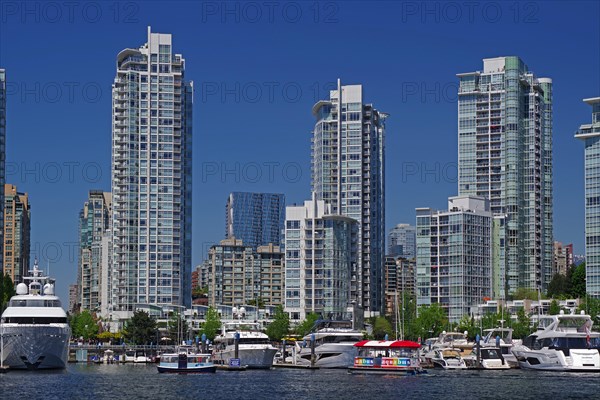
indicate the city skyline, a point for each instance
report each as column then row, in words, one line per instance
column 422, row 87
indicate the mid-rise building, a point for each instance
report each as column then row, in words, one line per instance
column 402, row 241
column 234, row 279
column 270, row 262
column 17, row 214
column 563, row 257
column 399, row 282
column 94, row 222
column 2, row 155
column 151, row 177
column 348, row 175
column 320, row 261
column 255, row 218
column 590, row 134
column 454, row 255
column 505, row 155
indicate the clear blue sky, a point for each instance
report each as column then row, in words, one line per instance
column 258, row 68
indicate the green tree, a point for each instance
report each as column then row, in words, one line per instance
column 305, row 326
column 7, row 290
column 84, row 325
column 559, row 286
column 382, row 327
column 177, row 328
column 431, row 321
column 468, row 324
column 578, row 281
column 554, row 308
column 141, row 328
column 525, row 294
column 280, row 325
column 522, row 326
column 212, row 324
column 590, row 306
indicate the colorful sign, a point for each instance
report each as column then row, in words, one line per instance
column 382, row 362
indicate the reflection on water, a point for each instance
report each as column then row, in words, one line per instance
column 138, row 381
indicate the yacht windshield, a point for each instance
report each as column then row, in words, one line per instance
column 34, row 303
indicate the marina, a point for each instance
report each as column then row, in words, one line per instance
column 86, row 381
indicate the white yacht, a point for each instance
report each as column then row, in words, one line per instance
column 334, row 345
column 446, row 358
column 34, row 327
column 254, row 348
column 561, row 343
column 490, row 358
column 506, row 342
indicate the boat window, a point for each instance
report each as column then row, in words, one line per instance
column 574, row 343
column 34, row 303
column 36, row 320
column 254, row 341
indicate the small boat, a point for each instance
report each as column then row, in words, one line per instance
column 446, row 358
column 491, row 358
column 387, row 357
column 185, row 361
column 140, row 357
column 502, row 337
column 109, row 357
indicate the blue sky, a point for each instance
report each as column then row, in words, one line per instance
column 258, row 68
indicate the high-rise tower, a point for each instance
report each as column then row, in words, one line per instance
column 151, row 177
column 348, row 174
column 505, row 155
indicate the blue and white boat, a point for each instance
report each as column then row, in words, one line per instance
column 186, row 361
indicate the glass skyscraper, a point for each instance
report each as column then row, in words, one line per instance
column 151, row 177
column 590, row 134
column 348, row 174
column 402, row 241
column 505, row 155
column 256, row 218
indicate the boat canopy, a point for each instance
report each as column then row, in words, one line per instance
column 387, row 344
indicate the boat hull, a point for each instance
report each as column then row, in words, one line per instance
column 386, row 371
column 331, row 355
column 32, row 347
column 579, row 360
column 253, row 357
column 190, row 370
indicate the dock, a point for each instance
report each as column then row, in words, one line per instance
column 293, row 366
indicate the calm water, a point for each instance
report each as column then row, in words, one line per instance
column 143, row 382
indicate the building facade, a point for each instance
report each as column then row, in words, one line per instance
column 348, row 174
column 17, row 215
column 399, row 281
column 255, row 218
column 563, row 257
column 402, row 241
column 321, row 253
column 505, row 155
column 233, row 278
column 454, row 255
column 94, row 222
column 151, row 177
column 2, row 156
column 270, row 262
column 590, row 134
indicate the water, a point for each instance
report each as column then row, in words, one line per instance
column 143, row 382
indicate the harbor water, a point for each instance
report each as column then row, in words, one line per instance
column 135, row 381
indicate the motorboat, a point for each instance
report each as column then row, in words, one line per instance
column 386, row 357
column 490, row 358
column 34, row 328
column 254, row 348
column 334, row 345
column 451, row 342
column 561, row 343
column 446, row 358
column 502, row 338
column 185, row 361
column 140, row 357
